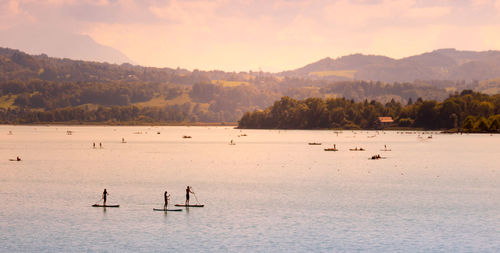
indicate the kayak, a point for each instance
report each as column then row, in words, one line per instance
column 165, row 210
column 96, row 205
column 189, row 205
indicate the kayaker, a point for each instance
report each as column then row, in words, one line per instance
column 188, row 190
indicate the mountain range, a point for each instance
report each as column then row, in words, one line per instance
column 442, row 64
column 62, row 44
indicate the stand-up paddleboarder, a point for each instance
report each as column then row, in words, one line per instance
column 188, row 190
column 104, row 196
column 166, row 196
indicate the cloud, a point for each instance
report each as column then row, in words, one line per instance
column 11, row 12
column 346, row 14
column 281, row 34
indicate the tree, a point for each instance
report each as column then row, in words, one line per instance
column 469, row 123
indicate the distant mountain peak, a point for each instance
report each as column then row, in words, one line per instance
column 60, row 44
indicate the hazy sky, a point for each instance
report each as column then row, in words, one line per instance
column 253, row 34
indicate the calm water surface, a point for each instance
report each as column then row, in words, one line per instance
column 271, row 192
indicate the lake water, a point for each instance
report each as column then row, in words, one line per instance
column 271, row 192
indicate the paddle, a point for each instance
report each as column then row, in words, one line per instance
column 98, row 201
column 197, row 202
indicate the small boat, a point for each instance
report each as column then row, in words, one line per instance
column 69, row 132
column 181, row 205
column 243, row 134
column 314, row 143
column 167, row 210
column 186, row 137
column 18, row 159
column 97, row 205
column 385, row 148
column 356, row 149
column 376, row 157
column 331, row 149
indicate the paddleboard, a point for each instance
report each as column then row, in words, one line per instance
column 96, row 205
column 189, row 205
column 165, row 210
column 14, row 160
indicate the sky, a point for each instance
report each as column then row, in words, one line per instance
column 243, row 35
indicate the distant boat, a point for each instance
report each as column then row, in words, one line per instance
column 243, row 134
column 357, row 149
column 10, row 133
column 69, row 132
column 376, row 157
column 331, row 149
column 385, row 148
column 314, row 143
column 186, row 137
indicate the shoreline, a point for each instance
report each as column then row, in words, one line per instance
column 233, row 124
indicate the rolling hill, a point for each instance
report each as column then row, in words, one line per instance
column 442, row 64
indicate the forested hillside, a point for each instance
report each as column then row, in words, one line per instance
column 468, row 111
column 442, row 64
column 38, row 88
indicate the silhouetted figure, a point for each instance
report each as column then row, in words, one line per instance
column 188, row 190
column 104, row 196
column 166, row 196
column 100, row 144
column 94, row 145
column 18, row 159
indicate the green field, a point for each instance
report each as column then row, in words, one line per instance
column 339, row 73
column 160, row 101
column 491, row 86
column 7, row 102
column 229, row 83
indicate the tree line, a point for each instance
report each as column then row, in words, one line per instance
column 113, row 115
column 467, row 111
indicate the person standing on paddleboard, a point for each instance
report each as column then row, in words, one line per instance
column 104, row 195
column 188, row 190
column 167, row 197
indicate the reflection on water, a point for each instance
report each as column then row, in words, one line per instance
column 271, row 191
